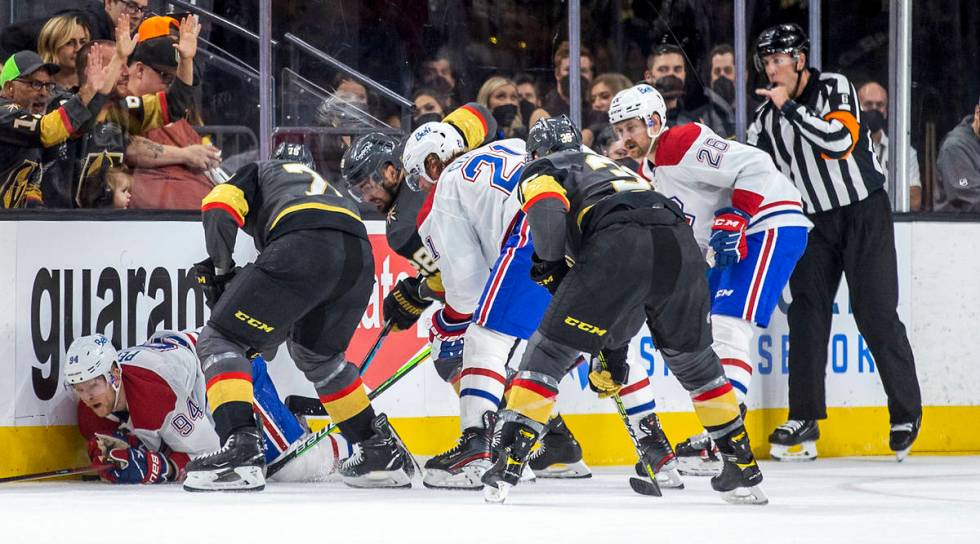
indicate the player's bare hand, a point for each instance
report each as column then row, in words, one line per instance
column 778, row 95
column 201, row 157
column 186, row 46
column 125, row 41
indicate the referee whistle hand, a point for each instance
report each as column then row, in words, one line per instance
column 778, row 95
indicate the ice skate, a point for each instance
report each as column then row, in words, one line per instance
column 784, row 441
column 559, row 454
column 740, row 476
column 462, row 466
column 512, row 454
column 379, row 461
column 658, row 454
column 698, row 456
column 238, row 466
column 902, row 436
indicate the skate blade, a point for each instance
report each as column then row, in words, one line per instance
column 496, row 495
column 568, row 471
column 698, row 467
column 900, row 455
column 746, row 495
column 380, row 479
column 467, row 479
column 670, row 479
column 239, row 479
column 806, row 451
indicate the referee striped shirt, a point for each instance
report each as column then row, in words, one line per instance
column 818, row 142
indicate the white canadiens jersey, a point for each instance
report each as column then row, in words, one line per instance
column 473, row 212
column 702, row 171
column 171, row 410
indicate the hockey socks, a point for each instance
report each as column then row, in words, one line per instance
column 731, row 342
column 532, row 394
column 349, row 408
column 716, row 407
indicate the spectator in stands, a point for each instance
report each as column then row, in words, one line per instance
column 156, row 26
column 427, row 107
column 114, row 192
column 959, row 167
column 530, row 104
column 667, row 72
column 719, row 112
column 25, row 85
column 604, row 88
column 58, row 43
column 499, row 95
column 438, row 75
column 184, row 182
column 874, row 115
column 528, row 89
column 100, row 18
column 556, row 102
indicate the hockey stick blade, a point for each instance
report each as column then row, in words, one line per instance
column 645, row 487
column 54, row 474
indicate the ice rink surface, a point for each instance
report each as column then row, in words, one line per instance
column 859, row 500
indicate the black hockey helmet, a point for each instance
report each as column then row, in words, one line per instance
column 363, row 160
column 552, row 134
column 786, row 38
column 293, row 152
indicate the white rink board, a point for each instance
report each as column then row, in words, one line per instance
column 941, row 321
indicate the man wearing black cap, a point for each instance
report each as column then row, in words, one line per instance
column 152, row 66
column 25, row 85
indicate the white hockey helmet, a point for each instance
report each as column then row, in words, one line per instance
column 639, row 102
column 436, row 138
column 187, row 339
column 89, row 357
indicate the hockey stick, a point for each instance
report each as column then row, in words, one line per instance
column 389, row 324
column 641, row 486
column 312, row 440
column 54, row 474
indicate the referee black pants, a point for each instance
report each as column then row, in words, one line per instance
column 858, row 240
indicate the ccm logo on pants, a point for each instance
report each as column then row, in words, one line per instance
column 252, row 322
column 583, row 326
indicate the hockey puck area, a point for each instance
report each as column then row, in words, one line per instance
column 924, row 499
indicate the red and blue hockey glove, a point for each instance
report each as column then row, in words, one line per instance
column 446, row 334
column 728, row 236
column 138, row 466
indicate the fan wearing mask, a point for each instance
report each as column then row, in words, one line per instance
column 874, row 115
column 499, row 95
column 719, row 112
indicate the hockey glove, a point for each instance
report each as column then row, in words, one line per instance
column 404, row 304
column 211, row 282
column 446, row 334
column 728, row 236
column 610, row 372
column 138, row 466
column 548, row 274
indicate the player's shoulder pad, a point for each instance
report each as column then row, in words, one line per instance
column 475, row 122
column 675, row 142
column 538, row 167
column 149, row 396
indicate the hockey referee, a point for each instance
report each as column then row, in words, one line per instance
column 810, row 123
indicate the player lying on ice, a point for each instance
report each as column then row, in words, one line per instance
column 143, row 410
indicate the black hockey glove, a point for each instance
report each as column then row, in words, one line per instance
column 610, row 372
column 212, row 283
column 548, row 274
column 404, row 305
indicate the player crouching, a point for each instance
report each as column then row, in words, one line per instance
column 142, row 411
column 635, row 261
